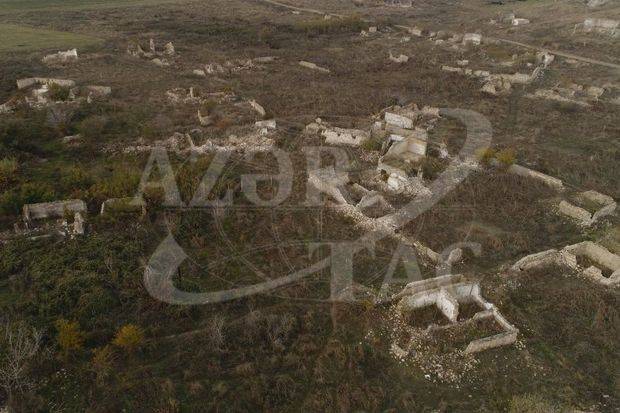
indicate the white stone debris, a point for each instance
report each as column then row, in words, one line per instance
column 160, row 62
column 199, row 72
column 169, row 49
column 400, row 59
column 313, row 66
column 328, row 181
column 520, row 22
column 597, row 3
column 7, row 107
column 161, row 59
column 258, row 108
column 414, row 31
column 204, row 120
column 96, row 92
column 602, row 26
column 214, row 68
column 349, row 137
column 399, row 3
column 554, row 183
column 447, row 293
column 72, row 139
column 114, row 206
column 61, row 57
column 266, row 124
column 472, row 38
column 265, row 59
column 398, row 120
column 604, row 204
column 545, row 58
column 26, row 83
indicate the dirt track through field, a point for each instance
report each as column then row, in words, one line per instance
column 508, row 41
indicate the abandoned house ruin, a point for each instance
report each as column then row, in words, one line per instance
column 50, row 218
column 449, row 293
column 590, row 259
column 592, row 207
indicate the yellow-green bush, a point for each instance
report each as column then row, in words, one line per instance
column 8, row 169
column 506, row 157
column 70, row 338
column 130, row 337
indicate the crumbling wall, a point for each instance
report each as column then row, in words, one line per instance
column 49, row 210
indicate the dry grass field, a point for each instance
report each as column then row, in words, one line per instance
column 108, row 345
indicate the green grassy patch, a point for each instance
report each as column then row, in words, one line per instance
column 20, row 38
column 9, row 6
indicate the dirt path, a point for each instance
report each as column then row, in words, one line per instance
column 507, row 41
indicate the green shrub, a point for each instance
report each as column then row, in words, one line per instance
column 8, row 169
column 372, row 144
column 11, row 202
column 123, row 183
column 75, row 178
column 92, row 127
column 59, row 93
column 531, row 403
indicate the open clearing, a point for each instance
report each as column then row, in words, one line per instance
column 12, row 6
column 20, row 38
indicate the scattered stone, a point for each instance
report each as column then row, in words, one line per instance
column 350, row 137
column 398, row 120
column 25, row 83
column 400, row 59
column 313, row 66
column 520, row 22
column 597, row 3
column 472, row 38
column 258, row 108
column 539, row 176
column 61, row 57
column 116, row 206
column 73, row 139
column 267, row 124
column 204, row 120
column 160, row 62
column 603, row 26
column 545, row 58
column 169, row 49
column 328, row 181
column 214, row 68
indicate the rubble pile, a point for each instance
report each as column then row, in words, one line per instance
column 39, row 92
column 161, row 58
column 61, row 57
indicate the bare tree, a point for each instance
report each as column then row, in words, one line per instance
column 20, row 345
